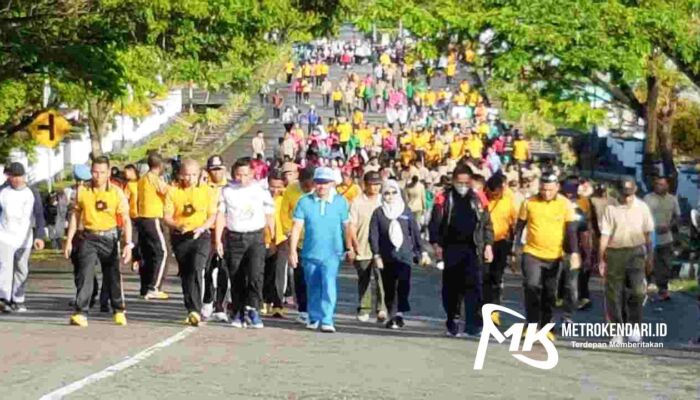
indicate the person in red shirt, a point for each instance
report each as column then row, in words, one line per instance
column 259, row 167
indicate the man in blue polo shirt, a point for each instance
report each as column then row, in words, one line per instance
column 323, row 215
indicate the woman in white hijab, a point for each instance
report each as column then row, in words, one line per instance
column 396, row 245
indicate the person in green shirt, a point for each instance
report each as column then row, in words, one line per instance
column 367, row 97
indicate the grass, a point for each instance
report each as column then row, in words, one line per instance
column 46, row 255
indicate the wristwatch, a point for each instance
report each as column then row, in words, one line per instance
column 129, row 245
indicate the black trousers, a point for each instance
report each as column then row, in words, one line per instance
column 326, row 100
column 246, row 277
column 568, row 288
column 337, row 104
column 276, row 275
column 275, row 112
column 154, row 253
column 105, row 251
column 540, row 283
column 104, row 296
column 300, row 287
column 396, row 278
column 583, row 277
column 192, row 255
column 462, row 279
column 493, row 273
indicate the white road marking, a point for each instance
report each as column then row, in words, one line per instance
column 120, row 366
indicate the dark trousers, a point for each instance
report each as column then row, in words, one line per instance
column 326, row 100
column 568, row 288
column 245, row 260
column 136, row 251
column 300, row 288
column 222, row 285
column 105, row 251
column 104, row 294
column 154, row 252
column 297, row 98
column 289, row 79
column 192, row 256
column 584, row 276
column 366, row 269
column 663, row 256
column 396, row 278
column 624, row 285
column 462, row 280
column 337, row 104
column 493, row 273
column 276, row 275
column 275, row 112
column 540, row 283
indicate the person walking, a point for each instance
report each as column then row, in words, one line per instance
column 246, row 210
column 275, row 277
column 97, row 207
column 21, row 210
column 396, row 245
column 361, row 211
column 625, row 254
column 258, row 145
column 462, row 236
column 323, row 216
column 216, row 279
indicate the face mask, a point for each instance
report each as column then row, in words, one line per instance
column 461, row 189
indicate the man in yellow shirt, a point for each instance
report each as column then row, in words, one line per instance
column 503, row 216
column 464, row 87
column 337, row 97
column 190, row 212
column 456, row 148
column 521, row 149
column 551, row 224
column 131, row 191
column 294, row 191
column 348, row 188
column 450, row 72
column 151, row 193
column 344, row 132
column 275, row 278
column 474, row 145
column 289, row 70
column 96, row 207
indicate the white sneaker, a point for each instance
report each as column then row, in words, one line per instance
column 207, row 310
column 219, row 317
column 303, row 318
column 363, row 317
column 635, row 337
column 312, row 326
column 617, row 340
column 328, row 328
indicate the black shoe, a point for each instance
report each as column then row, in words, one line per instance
column 399, row 321
column 104, row 308
column 391, row 324
column 452, row 328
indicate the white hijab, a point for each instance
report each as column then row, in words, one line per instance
column 392, row 210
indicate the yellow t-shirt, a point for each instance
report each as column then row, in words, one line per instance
column 358, row 117
column 456, row 149
column 306, row 70
column 475, row 146
column 344, row 132
column 384, row 59
column 460, row 99
column 150, row 201
column 350, row 192
column 546, row 225
column 430, row 98
column 324, row 69
column 520, row 150
column 289, row 67
column 503, row 216
column 420, row 140
column 98, row 209
column 365, row 135
column 132, row 192
column 190, row 207
column 464, row 87
column 337, row 95
column 407, row 157
column 451, row 69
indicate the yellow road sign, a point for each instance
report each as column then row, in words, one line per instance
column 49, row 128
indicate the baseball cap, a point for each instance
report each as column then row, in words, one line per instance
column 324, row 175
column 289, row 167
column 372, row 178
column 81, row 172
column 14, row 169
column 215, row 162
column 549, row 177
column 627, row 185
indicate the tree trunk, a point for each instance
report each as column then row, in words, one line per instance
column 651, row 142
column 99, row 113
column 666, row 144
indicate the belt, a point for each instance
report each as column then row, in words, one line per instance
column 190, row 234
column 108, row 232
column 255, row 232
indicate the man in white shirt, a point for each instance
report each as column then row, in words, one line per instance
column 245, row 210
column 20, row 209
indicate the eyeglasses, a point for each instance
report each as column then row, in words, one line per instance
column 391, row 193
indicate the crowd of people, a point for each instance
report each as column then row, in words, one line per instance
column 412, row 168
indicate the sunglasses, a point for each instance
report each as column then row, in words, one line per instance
column 391, row 192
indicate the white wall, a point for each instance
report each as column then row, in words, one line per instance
column 51, row 162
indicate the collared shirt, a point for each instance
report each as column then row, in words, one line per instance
column 627, row 224
column 503, row 216
column 546, row 225
column 245, row 207
column 131, row 193
column 323, row 225
column 361, row 212
column 16, row 216
column 98, row 209
column 190, row 207
column 663, row 209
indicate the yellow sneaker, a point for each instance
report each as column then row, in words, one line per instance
column 120, row 318
column 278, row 312
column 194, row 318
column 559, row 303
column 496, row 318
column 551, row 336
column 266, row 309
column 156, row 295
column 79, row 320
